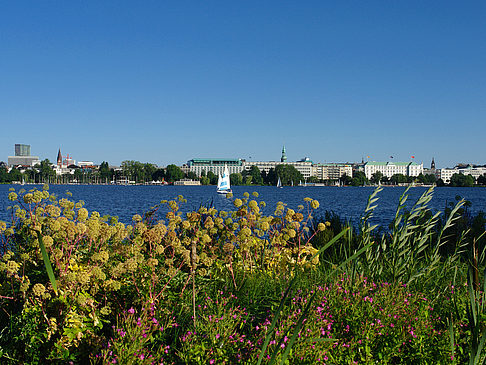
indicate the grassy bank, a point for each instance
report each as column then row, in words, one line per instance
column 214, row 287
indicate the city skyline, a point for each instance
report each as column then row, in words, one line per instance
column 68, row 157
column 165, row 83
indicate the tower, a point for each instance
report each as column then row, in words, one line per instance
column 284, row 155
column 22, row 149
column 59, row 158
column 432, row 164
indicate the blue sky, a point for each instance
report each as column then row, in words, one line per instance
column 164, row 82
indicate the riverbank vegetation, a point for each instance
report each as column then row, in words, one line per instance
column 216, row 287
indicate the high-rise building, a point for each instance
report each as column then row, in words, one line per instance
column 22, row 149
column 22, row 156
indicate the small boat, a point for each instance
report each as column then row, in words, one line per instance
column 279, row 183
column 224, row 186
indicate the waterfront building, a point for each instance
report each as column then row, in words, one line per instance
column 215, row 165
column 389, row 169
column 304, row 166
column 475, row 171
column 187, row 182
column 446, row 173
column 22, row 157
column 332, row 171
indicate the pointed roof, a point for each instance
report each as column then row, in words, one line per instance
column 284, row 155
column 59, row 158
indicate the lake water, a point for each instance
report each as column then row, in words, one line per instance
column 347, row 202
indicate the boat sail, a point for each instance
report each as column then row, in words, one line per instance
column 279, row 183
column 224, row 182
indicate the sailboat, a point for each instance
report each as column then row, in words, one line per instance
column 279, row 183
column 224, row 182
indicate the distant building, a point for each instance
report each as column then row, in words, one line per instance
column 22, row 157
column 215, row 165
column 63, row 164
column 389, row 169
column 22, row 150
column 332, row 171
column 187, row 182
column 475, row 171
column 304, row 167
column 86, row 164
column 432, row 170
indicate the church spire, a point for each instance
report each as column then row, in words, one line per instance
column 432, row 164
column 59, row 158
column 284, row 155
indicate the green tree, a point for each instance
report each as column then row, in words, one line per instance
column 3, row 175
column 14, row 175
column 158, row 175
column 191, row 175
column 345, row 179
column 149, row 170
column 430, row 179
column 105, row 171
column 398, row 179
column 287, row 174
column 271, row 177
column 213, row 179
column 45, row 170
column 256, row 175
column 359, row 179
column 173, row 173
column 461, row 180
column 236, row 179
column 376, row 177
column 481, row 180
column 78, row 175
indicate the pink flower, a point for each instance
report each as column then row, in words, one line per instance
column 131, row 311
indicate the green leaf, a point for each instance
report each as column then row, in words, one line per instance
column 47, row 262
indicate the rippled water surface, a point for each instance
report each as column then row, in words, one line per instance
column 347, row 202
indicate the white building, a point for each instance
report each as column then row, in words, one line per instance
column 215, row 165
column 332, row 171
column 389, row 169
column 304, row 167
column 446, row 173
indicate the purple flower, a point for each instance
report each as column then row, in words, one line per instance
column 131, row 311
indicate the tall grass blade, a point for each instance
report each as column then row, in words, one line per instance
column 274, row 322
column 47, row 262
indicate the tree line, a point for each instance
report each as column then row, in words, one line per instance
column 138, row 172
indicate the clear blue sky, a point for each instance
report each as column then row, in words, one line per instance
column 167, row 81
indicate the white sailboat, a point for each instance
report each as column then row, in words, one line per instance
column 279, row 183
column 224, row 186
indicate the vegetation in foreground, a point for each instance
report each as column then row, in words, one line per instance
column 215, row 287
